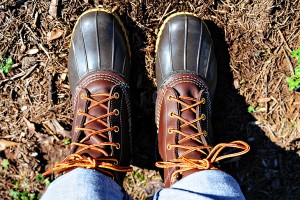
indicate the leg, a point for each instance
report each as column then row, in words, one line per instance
column 84, row 184
column 186, row 74
column 98, row 63
column 208, row 184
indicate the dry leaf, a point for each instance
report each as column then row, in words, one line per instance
column 30, row 126
column 298, row 127
column 54, row 34
column 4, row 144
column 60, row 129
column 236, row 84
column 53, row 8
column 63, row 76
column 73, row 18
column 49, row 125
column 23, row 48
column 32, row 51
column 23, row 108
column 264, row 100
column 44, row 139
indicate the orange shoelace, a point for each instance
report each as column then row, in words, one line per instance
column 212, row 155
column 104, row 164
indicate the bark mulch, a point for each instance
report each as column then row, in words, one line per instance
column 253, row 40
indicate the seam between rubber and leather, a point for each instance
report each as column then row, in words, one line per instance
column 94, row 77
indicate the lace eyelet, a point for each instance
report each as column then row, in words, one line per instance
column 170, row 130
column 169, row 147
column 205, row 133
column 171, row 114
column 82, row 96
column 116, row 111
column 118, row 146
column 79, row 111
column 170, row 97
column 117, row 129
column 203, row 117
column 203, row 99
column 116, row 95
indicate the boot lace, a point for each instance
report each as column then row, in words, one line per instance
column 104, row 164
column 211, row 154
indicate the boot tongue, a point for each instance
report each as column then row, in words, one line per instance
column 192, row 91
column 97, row 111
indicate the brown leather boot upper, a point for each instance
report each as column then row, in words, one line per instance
column 186, row 76
column 99, row 71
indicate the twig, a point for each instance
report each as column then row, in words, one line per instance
column 37, row 39
column 283, row 39
column 165, row 13
column 29, row 71
column 289, row 62
column 22, row 74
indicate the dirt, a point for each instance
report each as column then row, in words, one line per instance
column 253, row 40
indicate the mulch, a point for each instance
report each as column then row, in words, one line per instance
column 252, row 39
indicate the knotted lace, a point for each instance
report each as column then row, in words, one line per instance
column 104, row 164
column 212, row 155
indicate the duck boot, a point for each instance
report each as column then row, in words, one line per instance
column 186, row 72
column 99, row 62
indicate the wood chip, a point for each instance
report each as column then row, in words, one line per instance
column 4, row 144
column 53, row 8
column 49, row 126
column 23, row 48
column 23, row 108
column 236, row 84
column 54, row 34
column 60, row 129
column 63, row 76
column 30, row 126
column 32, row 51
column 264, row 100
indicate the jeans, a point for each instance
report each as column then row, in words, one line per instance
column 87, row 184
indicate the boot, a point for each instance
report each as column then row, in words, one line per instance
column 99, row 62
column 186, row 71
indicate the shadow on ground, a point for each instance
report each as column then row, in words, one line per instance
column 267, row 171
column 143, row 101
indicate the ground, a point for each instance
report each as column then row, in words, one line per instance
column 253, row 40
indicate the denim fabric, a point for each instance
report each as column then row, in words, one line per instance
column 87, row 184
column 84, row 184
column 208, row 184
